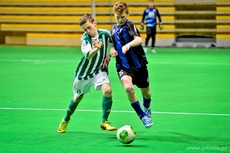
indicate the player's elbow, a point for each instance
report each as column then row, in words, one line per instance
column 139, row 40
column 89, row 57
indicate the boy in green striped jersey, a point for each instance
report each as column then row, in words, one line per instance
column 91, row 71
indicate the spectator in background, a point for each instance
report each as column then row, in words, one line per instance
column 150, row 16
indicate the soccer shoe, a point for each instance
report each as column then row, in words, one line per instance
column 148, row 112
column 107, row 126
column 147, row 122
column 62, row 126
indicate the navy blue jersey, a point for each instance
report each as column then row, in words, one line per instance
column 135, row 57
column 150, row 15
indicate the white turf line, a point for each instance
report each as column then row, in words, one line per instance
column 73, row 61
column 116, row 111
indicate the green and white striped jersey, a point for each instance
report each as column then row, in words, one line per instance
column 86, row 69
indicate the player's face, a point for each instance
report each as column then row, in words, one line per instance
column 150, row 4
column 121, row 17
column 90, row 28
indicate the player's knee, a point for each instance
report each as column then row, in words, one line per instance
column 107, row 91
column 146, row 92
column 129, row 90
column 77, row 99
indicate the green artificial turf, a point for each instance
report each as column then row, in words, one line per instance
column 190, row 102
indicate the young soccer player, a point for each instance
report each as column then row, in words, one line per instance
column 90, row 71
column 150, row 15
column 131, row 62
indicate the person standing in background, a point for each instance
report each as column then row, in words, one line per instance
column 150, row 16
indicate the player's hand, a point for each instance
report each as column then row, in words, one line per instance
column 97, row 43
column 142, row 26
column 113, row 52
column 106, row 61
column 161, row 26
column 125, row 48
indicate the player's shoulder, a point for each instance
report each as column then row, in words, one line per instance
column 104, row 31
column 114, row 26
column 130, row 23
column 113, row 29
column 84, row 36
column 155, row 8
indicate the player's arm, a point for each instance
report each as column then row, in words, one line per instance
column 135, row 42
column 142, row 21
column 97, row 46
column 113, row 52
column 160, row 20
column 106, row 61
column 107, row 58
column 87, row 49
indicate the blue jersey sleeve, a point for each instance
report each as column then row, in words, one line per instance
column 158, row 15
column 143, row 16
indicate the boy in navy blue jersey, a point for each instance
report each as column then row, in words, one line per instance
column 131, row 62
column 150, row 16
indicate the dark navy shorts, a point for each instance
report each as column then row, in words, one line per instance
column 140, row 77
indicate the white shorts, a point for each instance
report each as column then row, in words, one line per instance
column 83, row 86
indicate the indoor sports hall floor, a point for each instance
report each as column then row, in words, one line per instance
column 190, row 103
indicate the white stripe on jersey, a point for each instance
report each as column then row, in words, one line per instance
column 97, row 61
